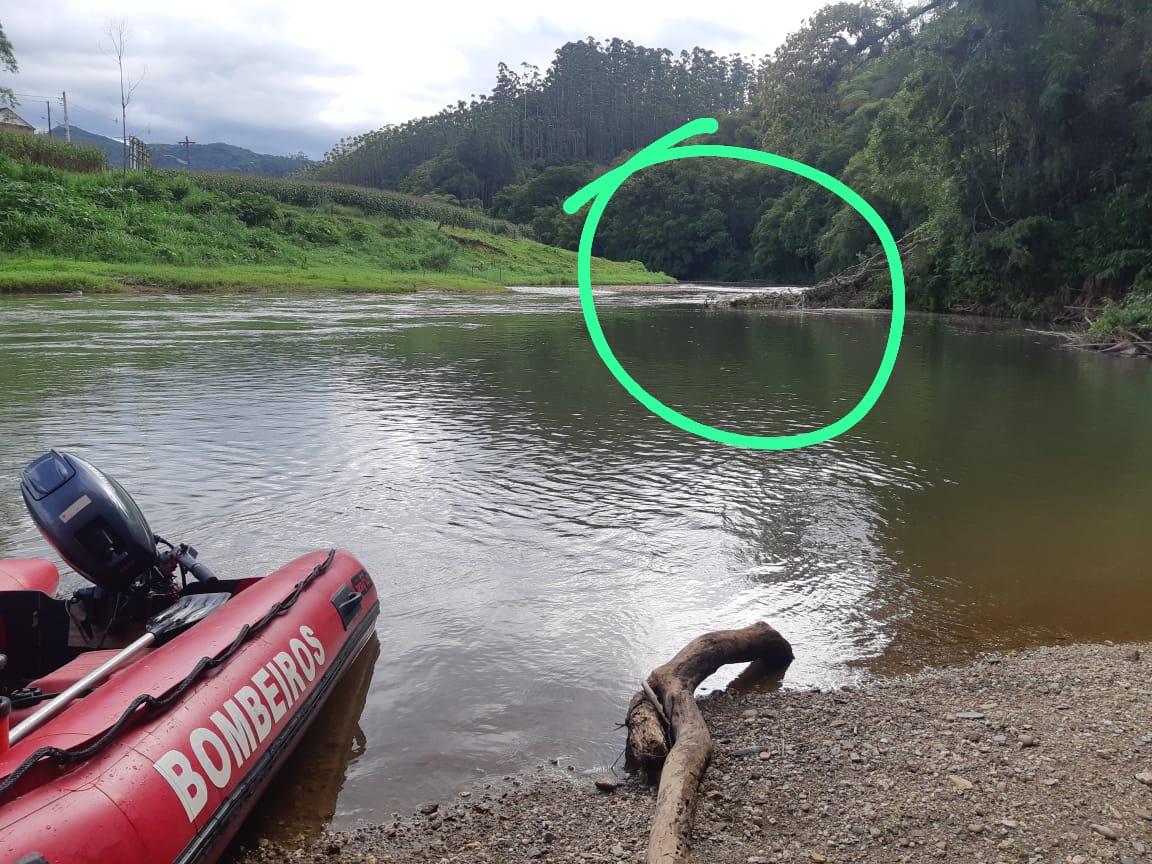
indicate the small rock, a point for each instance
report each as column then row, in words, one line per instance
column 618, row 851
column 817, row 857
column 751, row 712
column 606, row 784
column 548, row 837
column 959, row 782
column 1105, row 831
column 1144, row 814
column 1051, row 781
column 1133, row 655
column 1145, row 777
column 264, row 842
column 976, row 828
column 1028, row 741
column 1009, row 823
column 835, row 723
column 969, row 715
column 430, row 808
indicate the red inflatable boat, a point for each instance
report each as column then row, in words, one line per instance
column 147, row 738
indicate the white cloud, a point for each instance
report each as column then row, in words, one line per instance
column 284, row 76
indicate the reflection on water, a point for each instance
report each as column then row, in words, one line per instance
column 302, row 800
column 540, row 541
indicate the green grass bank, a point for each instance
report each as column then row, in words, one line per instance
column 107, row 231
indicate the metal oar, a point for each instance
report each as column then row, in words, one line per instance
column 160, row 628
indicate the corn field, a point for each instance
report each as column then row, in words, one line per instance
column 309, row 193
column 43, row 150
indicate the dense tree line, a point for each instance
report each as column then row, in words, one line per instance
column 594, row 101
column 1012, row 137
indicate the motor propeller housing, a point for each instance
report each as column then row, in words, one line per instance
column 90, row 520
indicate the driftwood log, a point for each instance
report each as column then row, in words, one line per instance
column 665, row 711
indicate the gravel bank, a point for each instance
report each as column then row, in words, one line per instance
column 1040, row 756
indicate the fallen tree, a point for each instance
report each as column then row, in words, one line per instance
column 1125, row 343
column 665, row 713
column 849, row 289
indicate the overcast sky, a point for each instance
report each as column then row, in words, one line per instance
column 289, row 76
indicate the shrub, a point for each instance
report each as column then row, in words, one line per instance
column 1131, row 317
column 201, row 201
column 439, row 260
column 255, row 209
column 19, row 229
column 264, row 240
column 18, row 195
column 359, row 232
column 315, row 229
column 149, row 185
column 115, row 197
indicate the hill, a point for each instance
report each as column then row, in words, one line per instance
column 204, row 157
column 596, row 101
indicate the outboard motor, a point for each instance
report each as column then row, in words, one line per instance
column 89, row 520
column 96, row 527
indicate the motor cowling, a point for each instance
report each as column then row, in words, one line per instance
column 89, row 519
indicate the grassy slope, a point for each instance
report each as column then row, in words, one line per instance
column 116, row 232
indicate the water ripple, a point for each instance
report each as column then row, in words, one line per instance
column 540, row 541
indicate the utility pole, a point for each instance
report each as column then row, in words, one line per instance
column 49, row 104
column 187, row 151
column 67, row 128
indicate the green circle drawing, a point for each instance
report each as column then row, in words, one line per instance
column 601, row 190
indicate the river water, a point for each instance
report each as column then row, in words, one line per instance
column 540, row 541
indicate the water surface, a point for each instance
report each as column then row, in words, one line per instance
column 540, row 541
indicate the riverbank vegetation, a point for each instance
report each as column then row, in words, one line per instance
column 161, row 230
column 1008, row 139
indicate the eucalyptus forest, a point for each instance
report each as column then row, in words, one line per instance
column 1008, row 142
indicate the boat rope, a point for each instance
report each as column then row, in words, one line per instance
column 156, row 704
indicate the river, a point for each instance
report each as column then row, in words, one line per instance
column 540, row 541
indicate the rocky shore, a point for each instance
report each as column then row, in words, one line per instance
column 1039, row 756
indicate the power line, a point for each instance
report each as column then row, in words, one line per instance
column 102, row 114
